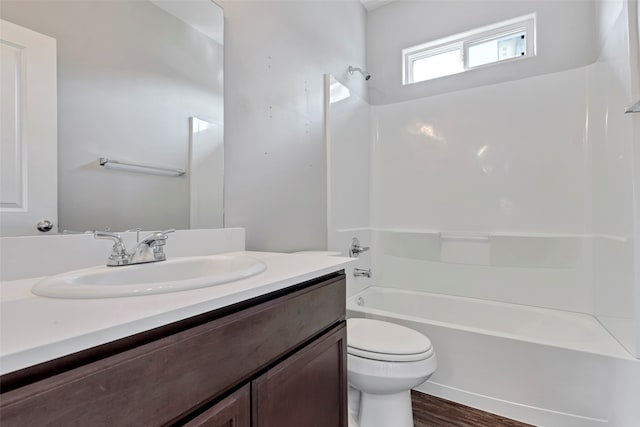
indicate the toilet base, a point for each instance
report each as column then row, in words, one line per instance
column 384, row 410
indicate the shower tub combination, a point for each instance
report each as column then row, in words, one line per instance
column 541, row 366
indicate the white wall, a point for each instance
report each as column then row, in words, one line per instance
column 129, row 77
column 610, row 168
column 348, row 122
column 277, row 53
column 565, row 40
column 635, row 82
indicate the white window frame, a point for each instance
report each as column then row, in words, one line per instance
column 464, row 41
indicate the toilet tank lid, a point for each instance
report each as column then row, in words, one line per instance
column 385, row 337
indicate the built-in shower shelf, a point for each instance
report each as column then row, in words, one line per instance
column 491, row 249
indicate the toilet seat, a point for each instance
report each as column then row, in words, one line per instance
column 389, row 357
column 378, row 340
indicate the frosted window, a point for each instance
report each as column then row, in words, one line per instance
column 507, row 40
column 497, row 49
column 438, row 65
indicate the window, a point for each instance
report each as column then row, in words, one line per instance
column 507, row 40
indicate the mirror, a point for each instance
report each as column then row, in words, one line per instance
column 138, row 82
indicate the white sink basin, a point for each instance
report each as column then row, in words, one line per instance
column 176, row 274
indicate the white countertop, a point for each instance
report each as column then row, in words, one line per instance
column 36, row 329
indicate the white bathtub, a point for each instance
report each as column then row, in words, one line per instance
column 545, row 367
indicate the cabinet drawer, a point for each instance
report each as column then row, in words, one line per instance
column 156, row 383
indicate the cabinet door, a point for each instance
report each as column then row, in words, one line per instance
column 308, row 389
column 234, row 411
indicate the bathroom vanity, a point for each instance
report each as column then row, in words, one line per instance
column 262, row 362
column 269, row 350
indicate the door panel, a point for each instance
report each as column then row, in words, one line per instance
column 28, row 130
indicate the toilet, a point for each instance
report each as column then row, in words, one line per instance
column 384, row 362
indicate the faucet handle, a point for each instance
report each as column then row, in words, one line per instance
column 355, row 249
column 164, row 234
column 156, row 241
column 137, row 230
column 119, row 255
column 117, row 239
column 157, row 238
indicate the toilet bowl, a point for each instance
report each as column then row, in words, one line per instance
column 384, row 362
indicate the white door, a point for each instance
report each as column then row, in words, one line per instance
column 28, row 130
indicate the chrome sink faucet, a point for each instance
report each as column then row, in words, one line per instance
column 149, row 249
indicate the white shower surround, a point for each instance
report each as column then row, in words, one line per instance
column 536, row 163
column 542, row 168
column 547, row 161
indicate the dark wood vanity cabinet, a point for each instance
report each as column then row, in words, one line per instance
column 278, row 360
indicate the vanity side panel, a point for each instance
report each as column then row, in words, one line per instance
column 161, row 381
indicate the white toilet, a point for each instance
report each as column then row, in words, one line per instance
column 384, row 362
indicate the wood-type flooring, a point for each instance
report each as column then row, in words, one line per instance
column 431, row 411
